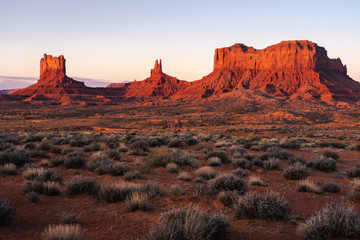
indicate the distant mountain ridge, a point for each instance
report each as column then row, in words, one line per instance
column 292, row 69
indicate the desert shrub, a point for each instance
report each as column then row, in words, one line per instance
column 353, row 172
column 17, row 157
column 331, row 187
column 29, row 146
column 214, row 161
column 63, row 232
column 172, row 168
column 69, row 218
column 74, row 160
column 78, row 142
column 206, row 172
column 102, row 164
column 271, row 164
column 39, row 154
column 113, row 154
column 242, row 163
column 227, row 198
column 190, row 224
column 354, row 194
column 174, row 143
column 332, row 144
column 47, row 188
column 296, row 172
column 294, row 160
column 184, row 176
column 57, row 161
column 42, row 175
column 33, row 197
column 240, row 173
column 122, row 148
column 268, row 206
column 292, row 144
column 307, row 186
column 277, row 152
column 130, row 176
column 354, row 147
column 118, row 191
column 256, row 181
column 237, row 151
column 137, row 201
column 92, row 147
column 324, row 164
column 191, row 141
column 222, row 155
column 227, row 182
column 163, row 156
column 331, row 154
column 6, row 212
column 8, row 169
column 335, row 221
column 82, row 185
column 139, row 146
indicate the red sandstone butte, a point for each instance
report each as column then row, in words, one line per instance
column 297, row 68
column 158, row 84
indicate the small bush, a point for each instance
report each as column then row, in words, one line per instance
column 256, row 181
column 271, row 164
column 242, row 163
column 8, row 169
column 172, row 168
column 354, row 194
column 206, row 172
column 296, row 172
column 113, row 154
column 164, row 156
column 17, row 157
column 237, row 151
column 227, row 198
column 190, row 224
column 331, row 187
column 214, row 161
column 33, row 197
column 184, row 176
column 63, row 232
column 137, row 201
column 42, row 175
column 74, row 160
column 324, row 164
column 331, row 154
column 82, row 185
column 6, row 212
column 118, row 191
column 268, row 206
column 294, row 160
column 353, row 172
column 307, row 186
column 57, row 161
column 240, row 173
column 277, row 152
column 332, row 144
column 335, row 221
column 47, row 188
column 69, row 218
column 130, row 176
column 227, row 182
column 222, row 155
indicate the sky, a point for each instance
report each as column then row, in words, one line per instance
column 117, row 41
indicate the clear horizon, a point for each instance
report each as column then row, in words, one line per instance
column 118, row 41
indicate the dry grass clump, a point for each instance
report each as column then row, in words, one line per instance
column 184, row 176
column 271, row 164
column 268, row 206
column 256, row 181
column 130, row 176
column 335, row 221
column 297, row 171
column 242, row 163
column 220, row 154
column 172, row 168
column 42, row 175
column 189, row 224
column 323, row 163
column 6, row 212
column 15, row 156
column 214, row 161
column 227, row 182
column 69, row 218
column 206, row 172
column 227, row 198
column 119, row 191
column 82, row 185
column 354, row 194
column 48, row 188
column 137, row 201
column 74, row 160
column 63, row 232
column 8, row 169
column 163, row 156
column 308, row 186
column 33, row 197
column 331, row 187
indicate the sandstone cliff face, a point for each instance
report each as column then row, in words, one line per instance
column 52, row 68
column 290, row 67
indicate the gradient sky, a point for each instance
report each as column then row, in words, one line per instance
column 119, row 40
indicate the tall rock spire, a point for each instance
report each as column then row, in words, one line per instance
column 52, row 68
column 157, row 70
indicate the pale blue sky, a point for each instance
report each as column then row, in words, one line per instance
column 120, row 40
